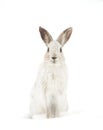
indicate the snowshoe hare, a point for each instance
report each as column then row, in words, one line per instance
column 49, row 94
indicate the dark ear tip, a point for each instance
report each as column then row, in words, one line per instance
column 70, row 29
column 40, row 28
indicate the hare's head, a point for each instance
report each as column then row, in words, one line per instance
column 54, row 52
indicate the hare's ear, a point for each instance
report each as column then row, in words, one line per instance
column 46, row 37
column 64, row 36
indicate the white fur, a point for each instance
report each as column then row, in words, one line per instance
column 49, row 96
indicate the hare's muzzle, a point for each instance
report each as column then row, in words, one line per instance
column 54, row 58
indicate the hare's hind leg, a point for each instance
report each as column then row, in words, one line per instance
column 37, row 105
column 37, row 109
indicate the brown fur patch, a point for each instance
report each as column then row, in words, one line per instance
column 46, row 57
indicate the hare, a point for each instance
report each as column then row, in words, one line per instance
column 49, row 94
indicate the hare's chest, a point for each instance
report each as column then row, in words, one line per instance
column 56, row 76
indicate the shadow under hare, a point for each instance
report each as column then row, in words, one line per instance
column 49, row 94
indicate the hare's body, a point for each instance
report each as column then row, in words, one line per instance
column 50, row 90
column 49, row 93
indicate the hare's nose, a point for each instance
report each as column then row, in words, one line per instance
column 54, row 58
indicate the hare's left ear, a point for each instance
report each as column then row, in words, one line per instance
column 45, row 35
column 64, row 36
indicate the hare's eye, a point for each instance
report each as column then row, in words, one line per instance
column 60, row 49
column 48, row 50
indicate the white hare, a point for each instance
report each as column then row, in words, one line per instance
column 49, row 94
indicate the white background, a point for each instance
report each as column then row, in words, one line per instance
column 22, row 50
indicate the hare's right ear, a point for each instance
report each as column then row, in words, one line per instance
column 64, row 36
column 46, row 37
